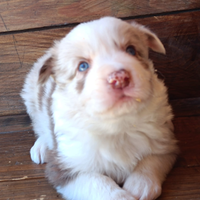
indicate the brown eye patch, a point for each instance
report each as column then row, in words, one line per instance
column 80, row 85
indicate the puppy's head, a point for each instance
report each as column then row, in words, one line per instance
column 102, row 66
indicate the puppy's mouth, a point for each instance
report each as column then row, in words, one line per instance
column 122, row 98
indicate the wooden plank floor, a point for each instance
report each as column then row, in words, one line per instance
column 28, row 29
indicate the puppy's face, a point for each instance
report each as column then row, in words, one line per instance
column 103, row 67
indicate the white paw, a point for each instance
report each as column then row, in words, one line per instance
column 122, row 195
column 143, row 187
column 38, row 151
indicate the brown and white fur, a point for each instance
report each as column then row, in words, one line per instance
column 92, row 133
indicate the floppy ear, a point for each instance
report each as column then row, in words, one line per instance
column 153, row 42
column 46, row 70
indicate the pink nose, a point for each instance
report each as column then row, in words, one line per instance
column 119, row 79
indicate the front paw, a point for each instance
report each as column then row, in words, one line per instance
column 122, row 195
column 143, row 187
column 38, row 151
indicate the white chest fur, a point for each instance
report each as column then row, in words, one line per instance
column 114, row 155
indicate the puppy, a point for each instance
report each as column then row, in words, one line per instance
column 100, row 114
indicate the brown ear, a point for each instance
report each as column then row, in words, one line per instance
column 46, row 71
column 153, row 42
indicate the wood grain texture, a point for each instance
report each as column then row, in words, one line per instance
column 15, row 159
column 179, row 68
column 22, row 14
column 34, row 189
column 18, row 53
column 182, row 184
column 187, row 132
column 22, row 179
column 186, row 107
column 14, row 123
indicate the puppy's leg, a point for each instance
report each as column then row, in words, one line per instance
column 44, row 141
column 146, row 180
column 93, row 187
column 37, row 98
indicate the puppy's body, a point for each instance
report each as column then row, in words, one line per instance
column 94, row 128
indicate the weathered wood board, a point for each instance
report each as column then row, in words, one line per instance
column 21, row 14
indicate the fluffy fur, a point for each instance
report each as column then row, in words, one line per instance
column 93, row 136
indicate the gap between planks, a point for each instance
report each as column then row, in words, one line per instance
column 71, row 25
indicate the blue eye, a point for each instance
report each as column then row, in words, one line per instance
column 131, row 50
column 83, row 67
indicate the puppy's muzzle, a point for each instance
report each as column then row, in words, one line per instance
column 119, row 79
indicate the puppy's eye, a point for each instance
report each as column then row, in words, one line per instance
column 131, row 50
column 83, row 66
